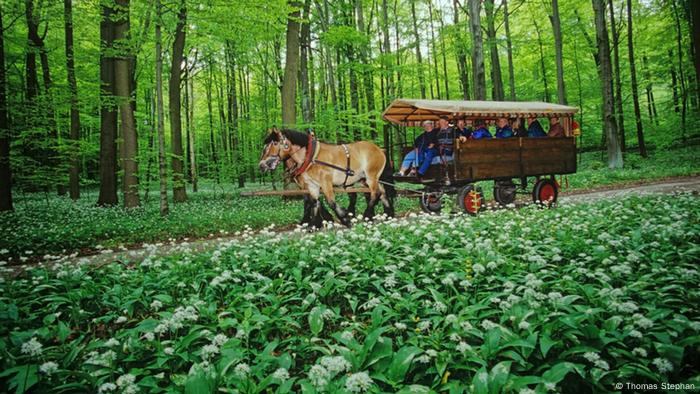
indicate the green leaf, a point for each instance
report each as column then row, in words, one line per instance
column 199, row 381
column 316, row 320
column 671, row 352
column 481, row 382
column 498, row 376
column 558, row 372
column 401, row 363
column 25, row 377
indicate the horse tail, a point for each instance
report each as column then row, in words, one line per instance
column 387, row 178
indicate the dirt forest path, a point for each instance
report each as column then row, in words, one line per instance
column 689, row 184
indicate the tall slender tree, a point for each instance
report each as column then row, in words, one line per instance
column 367, row 73
column 174, row 83
column 291, row 66
column 633, row 75
column 618, row 85
column 162, row 166
column 5, row 168
column 497, row 92
column 419, row 56
column 614, row 153
column 305, row 47
column 122, row 89
column 478, row 71
column 108, row 111
column 460, row 50
column 509, row 47
column 74, row 176
column 556, row 27
column 695, row 31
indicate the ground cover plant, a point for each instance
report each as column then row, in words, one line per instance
column 573, row 299
column 45, row 224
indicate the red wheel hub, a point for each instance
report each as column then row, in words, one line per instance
column 472, row 201
column 547, row 193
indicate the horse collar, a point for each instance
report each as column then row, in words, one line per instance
column 308, row 158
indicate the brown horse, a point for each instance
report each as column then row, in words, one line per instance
column 322, row 166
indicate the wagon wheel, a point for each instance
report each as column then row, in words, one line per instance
column 545, row 192
column 431, row 201
column 504, row 192
column 471, row 199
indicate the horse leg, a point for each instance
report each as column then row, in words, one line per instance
column 308, row 210
column 388, row 206
column 315, row 206
column 374, row 197
column 353, row 202
column 327, row 189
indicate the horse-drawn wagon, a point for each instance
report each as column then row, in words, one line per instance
column 500, row 160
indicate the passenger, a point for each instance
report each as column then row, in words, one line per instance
column 423, row 144
column 462, row 128
column 503, row 129
column 481, row 131
column 555, row 129
column 446, row 136
column 518, row 129
column 535, row 128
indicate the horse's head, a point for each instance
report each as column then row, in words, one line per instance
column 277, row 147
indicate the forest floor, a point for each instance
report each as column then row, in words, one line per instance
column 138, row 252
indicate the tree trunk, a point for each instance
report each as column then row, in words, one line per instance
column 211, row 120
column 461, row 52
column 633, row 75
column 179, row 187
column 122, row 87
column 74, row 180
column 684, row 92
column 444, row 55
column 367, row 75
column 387, row 72
column 695, row 17
column 419, row 56
column 509, row 46
column 434, row 54
column 614, row 153
column 150, row 126
column 497, row 92
column 5, row 168
column 477, row 50
column 618, row 85
column 542, row 64
column 291, row 67
column 399, row 87
column 190, row 132
column 674, row 81
column 556, row 27
column 305, row 44
column 108, row 111
column 162, row 166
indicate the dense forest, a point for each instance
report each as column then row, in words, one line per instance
column 122, row 96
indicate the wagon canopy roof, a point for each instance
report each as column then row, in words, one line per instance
column 411, row 112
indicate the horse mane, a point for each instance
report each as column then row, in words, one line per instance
column 295, row 137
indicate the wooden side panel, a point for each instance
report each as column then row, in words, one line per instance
column 543, row 156
column 514, row 158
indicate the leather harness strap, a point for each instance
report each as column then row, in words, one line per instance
column 310, row 158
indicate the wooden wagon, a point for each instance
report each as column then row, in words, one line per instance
column 500, row 160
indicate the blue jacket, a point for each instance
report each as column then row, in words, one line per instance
column 480, row 133
column 535, row 130
column 505, row 132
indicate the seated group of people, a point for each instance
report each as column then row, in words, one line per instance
column 436, row 144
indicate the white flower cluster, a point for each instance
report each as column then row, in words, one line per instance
column 213, row 348
column 104, row 359
column 358, row 382
column 32, row 347
column 177, row 320
column 127, row 384
column 221, row 278
column 329, row 366
column 663, row 365
column 594, row 358
column 48, row 368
